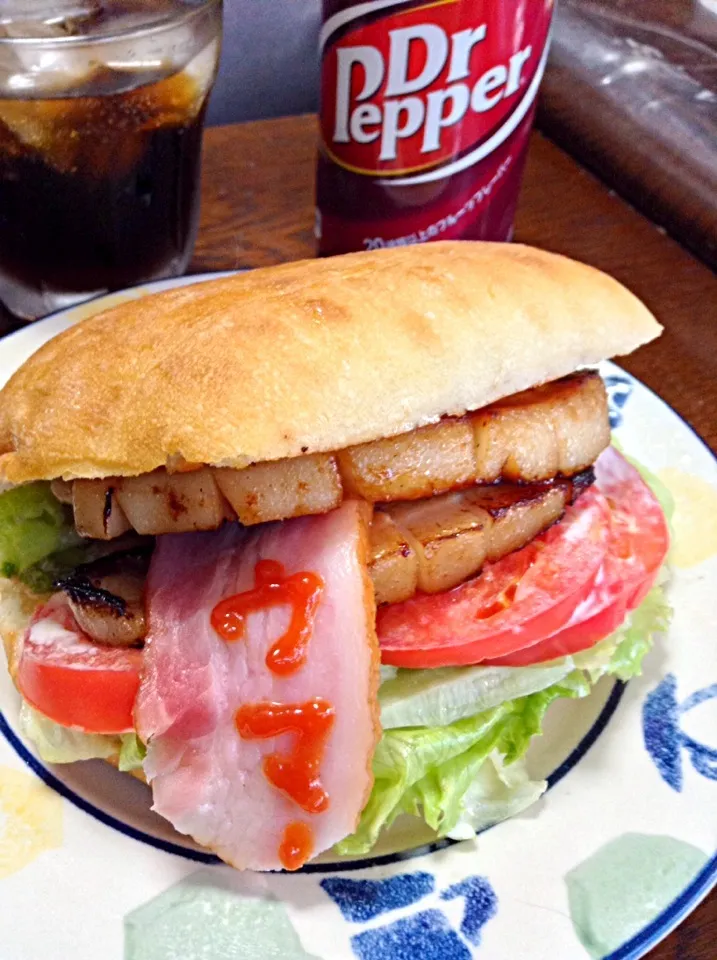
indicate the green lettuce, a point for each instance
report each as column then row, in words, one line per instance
column 432, row 698
column 58, row 744
column 132, row 753
column 468, row 772
column 621, row 654
column 660, row 490
column 34, row 525
column 38, row 541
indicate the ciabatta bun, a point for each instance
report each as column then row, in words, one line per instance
column 307, row 357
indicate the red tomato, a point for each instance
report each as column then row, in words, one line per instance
column 530, row 594
column 74, row 681
column 639, row 541
column 571, row 639
column 637, row 544
column 640, row 538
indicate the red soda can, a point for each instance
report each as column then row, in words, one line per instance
column 426, row 113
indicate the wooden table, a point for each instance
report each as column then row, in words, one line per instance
column 258, row 210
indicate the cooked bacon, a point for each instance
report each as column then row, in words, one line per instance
column 107, row 598
column 556, row 429
column 207, row 779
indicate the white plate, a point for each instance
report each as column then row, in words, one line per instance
column 620, row 849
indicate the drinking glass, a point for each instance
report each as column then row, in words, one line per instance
column 102, row 107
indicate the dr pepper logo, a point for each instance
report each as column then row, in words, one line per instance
column 413, row 87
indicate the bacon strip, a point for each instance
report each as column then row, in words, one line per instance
column 207, row 779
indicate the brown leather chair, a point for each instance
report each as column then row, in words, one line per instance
column 269, row 64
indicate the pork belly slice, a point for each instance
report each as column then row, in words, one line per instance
column 557, row 429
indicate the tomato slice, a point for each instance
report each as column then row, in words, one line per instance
column 571, row 639
column 74, row 681
column 640, row 536
column 638, row 540
column 528, row 595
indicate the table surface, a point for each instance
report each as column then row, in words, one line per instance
column 258, row 210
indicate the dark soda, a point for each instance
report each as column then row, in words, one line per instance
column 96, row 191
column 102, row 105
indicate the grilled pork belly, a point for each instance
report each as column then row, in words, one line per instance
column 433, row 545
column 107, row 597
column 425, row 545
column 556, row 429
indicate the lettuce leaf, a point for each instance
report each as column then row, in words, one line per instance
column 498, row 791
column 38, row 541
column 132, row 753
column 468, row 773
column 660, row 490
column 58, row 744
column 407, row 756
column 33, row 526
column 432, row 698
column 621, row 654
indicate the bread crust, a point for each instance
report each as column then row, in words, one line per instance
column 308, row 357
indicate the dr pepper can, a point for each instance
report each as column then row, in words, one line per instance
column 426, row 113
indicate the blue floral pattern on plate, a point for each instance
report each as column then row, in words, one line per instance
column 665, row 740
column 426, row 934
column 619, row 390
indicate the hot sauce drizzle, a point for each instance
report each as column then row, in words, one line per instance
column 301, row 591
column 296, row 846
column 296, row 775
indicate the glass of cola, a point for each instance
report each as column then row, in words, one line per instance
column 102, row 105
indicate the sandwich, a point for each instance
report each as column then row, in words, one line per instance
column 317, row 546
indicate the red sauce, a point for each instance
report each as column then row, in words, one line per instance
column 296, row 846
column 301, row 591
column 298, row 774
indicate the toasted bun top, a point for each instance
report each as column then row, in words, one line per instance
column 309, row 356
